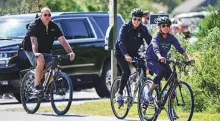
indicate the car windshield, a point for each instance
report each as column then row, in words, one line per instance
column 194, row 21
column 12, row 29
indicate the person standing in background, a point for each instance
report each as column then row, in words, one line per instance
column 146, row 20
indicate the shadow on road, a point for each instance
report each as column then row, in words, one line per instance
column 85, row 99
column 67, row 115
column 77, row 99
column 8, row 103
column 131, row 120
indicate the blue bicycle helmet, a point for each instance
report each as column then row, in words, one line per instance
column 137, row 12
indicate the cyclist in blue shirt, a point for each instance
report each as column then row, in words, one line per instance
column 131, row 37
column 157, row 54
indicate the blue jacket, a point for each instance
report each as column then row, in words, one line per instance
column 162, row 46
column 131, row 39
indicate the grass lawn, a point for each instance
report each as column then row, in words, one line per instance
column 103, row 108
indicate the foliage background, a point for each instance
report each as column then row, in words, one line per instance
column 124, row 6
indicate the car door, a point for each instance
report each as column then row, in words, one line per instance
column 83, row 40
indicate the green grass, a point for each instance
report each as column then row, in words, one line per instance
column 103, row 108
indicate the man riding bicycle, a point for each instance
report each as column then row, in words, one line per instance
column 130, row 39
column 38, row 44
column 157, row 54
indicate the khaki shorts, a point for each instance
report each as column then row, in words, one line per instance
column 32, row 58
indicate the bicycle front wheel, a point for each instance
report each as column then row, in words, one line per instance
column 147, row 111
column 181, row 103
column 119, row 111
column 61, row 92
column 29, row 100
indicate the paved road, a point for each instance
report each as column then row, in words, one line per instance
column 8, row 113
column 87, row 95
column 22, row 116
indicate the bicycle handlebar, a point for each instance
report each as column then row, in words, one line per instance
column 60, row 56
column 137, row 60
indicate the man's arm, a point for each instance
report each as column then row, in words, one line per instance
column 156, row 49
column 65, row 44
column 121, row 40
column 34, row 45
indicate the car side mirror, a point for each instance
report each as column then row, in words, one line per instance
column 109, row 38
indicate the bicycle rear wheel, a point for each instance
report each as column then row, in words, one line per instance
column 119, row 111
column 61, row 92
column 147, row 111
column 182, row 103
column 29, row 101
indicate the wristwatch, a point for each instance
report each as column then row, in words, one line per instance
column 71, row 53
column 126, row 55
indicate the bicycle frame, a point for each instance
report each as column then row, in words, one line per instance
column 172, row 81
column 137, row 85
column 48, row 71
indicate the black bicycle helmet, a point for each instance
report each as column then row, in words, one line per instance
column 137, row 12
column 163, row 20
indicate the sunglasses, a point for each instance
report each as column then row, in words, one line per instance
column 49, row 15
column 165, row 25
column 136, row 19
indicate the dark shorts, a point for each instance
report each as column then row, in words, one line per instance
column 47, row 57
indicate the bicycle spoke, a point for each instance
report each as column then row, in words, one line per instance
column 183, row 104
column 30, row 105
column 146, row 110
column 61, row 94
column 120, row 111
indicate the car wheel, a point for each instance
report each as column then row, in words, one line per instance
column 103, row 86
column 17, row 96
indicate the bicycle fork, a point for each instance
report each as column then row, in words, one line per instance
column 131, row 97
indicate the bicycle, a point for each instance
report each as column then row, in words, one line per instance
column 179, row 93
column 55, row 83
column 135, row 80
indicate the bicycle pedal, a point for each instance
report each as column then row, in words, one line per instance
column 119, row 106
column 120, row 103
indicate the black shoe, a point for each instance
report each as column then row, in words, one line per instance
column 38, row 89
column 145, row 103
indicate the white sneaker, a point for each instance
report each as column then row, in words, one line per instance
column 119, row 98
column 148, row 94
column 7, row 96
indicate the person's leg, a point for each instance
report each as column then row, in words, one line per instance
column 157, row 68
column 39, row 62
column 173, row 95
column 119, row 71
column 48, row 61
column 123, row 64
column 160, row 71
column 168, row 70
column 167, row 76
column 39, row 70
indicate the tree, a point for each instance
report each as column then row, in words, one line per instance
column 18, row 6
column 170, row 3
column 62, row 5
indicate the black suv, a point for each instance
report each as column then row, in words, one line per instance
column 85, row 31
